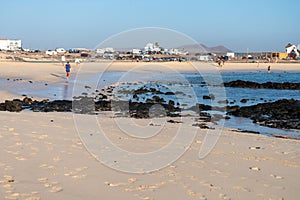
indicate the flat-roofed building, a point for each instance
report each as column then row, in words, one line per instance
column 6, row 44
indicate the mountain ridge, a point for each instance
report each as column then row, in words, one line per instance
column 201, row 48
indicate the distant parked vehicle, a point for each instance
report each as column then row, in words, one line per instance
column 60, row 50
column 84, row 55
column 51, row 52
column 226, row 58
column 34, row 51
column 74, row 51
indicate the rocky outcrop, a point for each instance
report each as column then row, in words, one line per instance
column 283, row 113
column 88, row 105
column 267, row 85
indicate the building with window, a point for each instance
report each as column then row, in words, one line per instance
column 6, row 44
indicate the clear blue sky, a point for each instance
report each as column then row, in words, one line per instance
column 260, row 25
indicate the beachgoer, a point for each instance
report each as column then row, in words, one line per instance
column 63, row 60
column 68, row 69
column 77, row 61
column 219, row 62
column 269, row 69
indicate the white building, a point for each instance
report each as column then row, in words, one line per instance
column 152, row 47
column 178, row 52
column 136, row 51
column 290, row 47
column 6, row 44
column 105, row 50
column 230, row 54
column 51, row 52
column 100, row 51
column 204, row 58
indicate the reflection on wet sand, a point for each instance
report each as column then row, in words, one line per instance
column 66, row 90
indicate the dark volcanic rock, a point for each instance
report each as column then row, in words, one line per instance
column 144, row 90
column 279, row 114
column 201, row 125
column 244, row 100
column 13, row 106
column 142, row 110
column 267, row 85
column 211, row 96
column 84, row 105
column 169, row 93
column 52, row 106
column 206, row 97
column 27, row 101
column 58, row 106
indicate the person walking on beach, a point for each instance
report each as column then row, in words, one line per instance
column 269, row 69
column 63, row 60
column 77, row 62
column 68, row 69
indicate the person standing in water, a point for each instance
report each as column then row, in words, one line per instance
column 68, row 69
column 269, row 69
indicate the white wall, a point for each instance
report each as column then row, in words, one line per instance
column 230, row 54
column 10, row 44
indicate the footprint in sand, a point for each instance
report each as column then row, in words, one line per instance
column 56, row 189
column 74, row 173
column 255, row 148
column 114, row 184
column 56, row 159
column 224, row 196
column 21, row 158
column 195, row 194
column 241, row 188
column 14, row 196
column 46, row 166
column 8, row 179
column 43, row 180
column 132, row 180
column 53, row 186
column 254, row 168
column 7, row 186
column 276, row 176
column 33, row 198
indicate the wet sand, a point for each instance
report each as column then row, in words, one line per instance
column 42, row 156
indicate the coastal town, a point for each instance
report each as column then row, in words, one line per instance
column 12, row 50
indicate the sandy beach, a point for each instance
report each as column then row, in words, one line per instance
column 40, row 71
column 43, row 157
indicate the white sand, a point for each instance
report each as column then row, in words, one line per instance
column 47, row 159
column 42, row 157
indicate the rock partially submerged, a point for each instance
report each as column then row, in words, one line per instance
column 283, row 113
column 267, row 85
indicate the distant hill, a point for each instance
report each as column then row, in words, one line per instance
column 201, row 48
